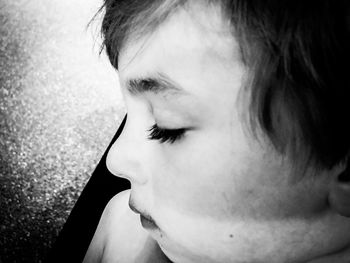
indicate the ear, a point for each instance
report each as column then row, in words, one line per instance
column 339, row 195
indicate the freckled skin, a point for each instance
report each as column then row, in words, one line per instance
column 217, row 194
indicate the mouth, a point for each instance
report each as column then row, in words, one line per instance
column 147, row 221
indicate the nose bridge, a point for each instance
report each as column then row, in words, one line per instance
column 125, row 159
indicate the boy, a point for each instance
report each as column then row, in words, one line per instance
column 236, row 142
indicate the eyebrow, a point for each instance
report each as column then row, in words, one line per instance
column 159, row 84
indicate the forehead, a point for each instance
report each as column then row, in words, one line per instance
column 196, row 50
column 194, row 29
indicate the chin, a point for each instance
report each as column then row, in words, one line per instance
column 179, row 254
column 175, row 257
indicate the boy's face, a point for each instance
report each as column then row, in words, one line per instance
column 215, row 193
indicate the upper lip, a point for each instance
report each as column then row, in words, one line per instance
column 132, row 207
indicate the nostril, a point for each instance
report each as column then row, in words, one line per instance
column 124, row 161
column 120, row 175
column 114, row 166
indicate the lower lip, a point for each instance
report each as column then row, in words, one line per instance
column 148, row 224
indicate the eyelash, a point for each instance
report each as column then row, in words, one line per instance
column 165, row 135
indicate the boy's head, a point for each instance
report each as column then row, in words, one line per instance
column 237, row 124
column 297, row 54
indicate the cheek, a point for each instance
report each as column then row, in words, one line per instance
column 203, row 178
column 216, row 177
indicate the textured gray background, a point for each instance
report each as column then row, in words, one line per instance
column 59, row 108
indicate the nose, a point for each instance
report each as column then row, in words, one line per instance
column 127, row 155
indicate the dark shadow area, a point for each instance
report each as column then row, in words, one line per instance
column 75, row 237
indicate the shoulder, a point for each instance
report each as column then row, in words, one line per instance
column 115, row 211
column 118, row 235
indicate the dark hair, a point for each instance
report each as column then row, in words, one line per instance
column 298, row 55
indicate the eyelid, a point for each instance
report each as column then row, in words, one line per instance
column 165, row 135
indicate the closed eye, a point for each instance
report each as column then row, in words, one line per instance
column 165, row 135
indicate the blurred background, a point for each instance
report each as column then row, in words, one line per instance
column 59, row 108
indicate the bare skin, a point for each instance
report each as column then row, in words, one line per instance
column 121, row 238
